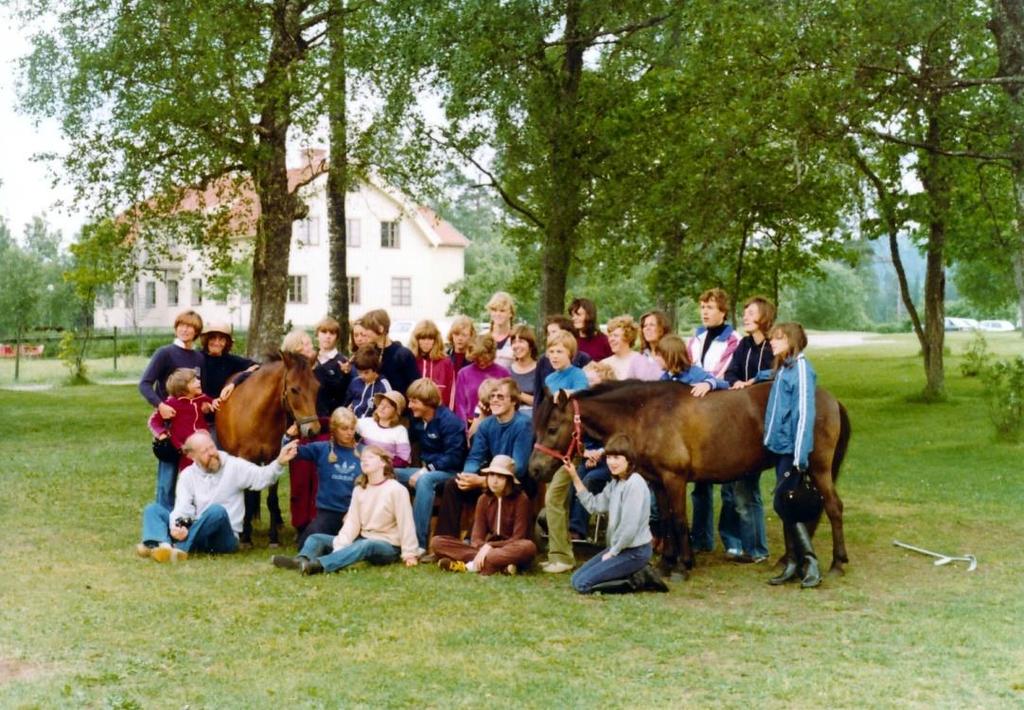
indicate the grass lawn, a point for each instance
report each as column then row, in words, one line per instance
column 85, row 623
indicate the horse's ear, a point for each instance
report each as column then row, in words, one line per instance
column 561, row 398
column 286, row 358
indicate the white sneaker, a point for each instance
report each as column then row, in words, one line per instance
column 556, row 567
column 166, row 553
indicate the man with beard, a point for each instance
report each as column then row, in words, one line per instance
column 209, row 506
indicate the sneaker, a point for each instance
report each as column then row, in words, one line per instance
column 733, row 553
column 451, row 565
column 166, row 553
column 759, row 559
column 286, row 562
column 511, row 570
column 428, row 558
column 556, row 567
column 143, row 550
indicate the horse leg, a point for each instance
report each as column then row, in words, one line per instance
column 276, row 521
column 252, row 509
column 669, row 548
column 834, row 510
column 680, row 533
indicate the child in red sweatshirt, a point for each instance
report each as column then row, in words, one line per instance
column 190, row 405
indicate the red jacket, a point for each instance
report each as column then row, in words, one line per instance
column 442, row 372
column 188, row 419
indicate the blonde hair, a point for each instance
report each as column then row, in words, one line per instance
column 389, row 468
column 178, row 381
column 484, row 391
column 628, row 325
column 503, row 300
column 459, row 324
column 565, row 339
column 604, row 371
column 425, row 390
column 292, row 342
column 340, row 417
column 481, row 345
column 426, row 329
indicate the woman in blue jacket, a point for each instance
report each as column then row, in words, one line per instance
column 789, row 435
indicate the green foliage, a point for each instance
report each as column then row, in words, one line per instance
column 833, row 301
column 1004, row 390
column 976, row 356
column 72, row 351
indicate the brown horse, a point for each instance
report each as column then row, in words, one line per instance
column 679, row 438
column 251, row 422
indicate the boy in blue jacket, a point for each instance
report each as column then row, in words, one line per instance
column 440, row 437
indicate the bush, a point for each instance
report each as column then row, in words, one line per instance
column 1004, row 389
column 976, row 356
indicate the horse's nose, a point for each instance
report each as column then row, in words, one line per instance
column 311, row 429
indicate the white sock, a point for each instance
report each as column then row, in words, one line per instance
column 471, row 566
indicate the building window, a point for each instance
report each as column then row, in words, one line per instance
column 352, row 236
column 308, row 231
column 105, row 299
column 150, row 300
column 197, row 292
column 389, row 235
column 401, row 291
column 172, row 292
column 296, row 289
column 353, row 290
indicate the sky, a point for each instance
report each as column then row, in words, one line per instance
column 26, row 185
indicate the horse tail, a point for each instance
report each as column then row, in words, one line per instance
column 844, row 440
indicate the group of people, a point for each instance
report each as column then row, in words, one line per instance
column 447, row 424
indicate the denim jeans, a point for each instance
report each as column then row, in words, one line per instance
column 749, row 512
column 595, row 479
column 702, row 526
column 211, row 532
column 783, row 463
column 166, row 478
column 321, row 547
column 427, row 486
column 596, row 570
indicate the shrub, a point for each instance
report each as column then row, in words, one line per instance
column 1004, row 389
column 976, row 356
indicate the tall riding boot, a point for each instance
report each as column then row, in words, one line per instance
column 792, row 557
column 812, row 575
column 647, row 579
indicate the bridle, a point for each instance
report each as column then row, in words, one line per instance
column 575, row 443
column 300, row 421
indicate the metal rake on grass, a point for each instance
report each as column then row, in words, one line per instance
column 971, row 560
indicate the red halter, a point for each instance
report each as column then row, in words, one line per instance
column 575, row 444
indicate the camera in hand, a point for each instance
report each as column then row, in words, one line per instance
column 184, row 521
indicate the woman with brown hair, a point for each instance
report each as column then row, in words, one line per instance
column 428, row 348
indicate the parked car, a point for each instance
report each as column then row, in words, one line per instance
column 952, row 323
column 996, row 326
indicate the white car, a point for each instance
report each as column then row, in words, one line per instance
column 952, row 323
column 996, row 326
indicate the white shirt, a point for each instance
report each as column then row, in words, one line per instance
column 198, row 489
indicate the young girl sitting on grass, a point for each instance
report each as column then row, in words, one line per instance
column 789, row 435
column 623, row 565
column 385, row 429
column 500, row 541
column 190, row 405
column 337, row 467
column 671, row 355
column 378, row 527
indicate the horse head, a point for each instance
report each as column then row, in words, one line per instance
column 298, row 393
column 558, row 435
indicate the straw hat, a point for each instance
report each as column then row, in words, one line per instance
column 502, row 465
column 395, row 397
column 219, row 327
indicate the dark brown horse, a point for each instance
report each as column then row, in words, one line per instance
column 251, row 422
column 680, row 438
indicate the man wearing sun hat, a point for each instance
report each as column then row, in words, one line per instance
column 500, row 540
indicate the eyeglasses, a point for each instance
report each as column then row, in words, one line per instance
column 499, row 395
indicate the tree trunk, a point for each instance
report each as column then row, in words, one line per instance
column 338, row 180
column 566, row 180
column 738, row 276
column 935, row 178
column 278, row 206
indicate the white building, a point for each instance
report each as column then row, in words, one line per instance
column 401, row 256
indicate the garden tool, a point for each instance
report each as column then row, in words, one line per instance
column 942, row 559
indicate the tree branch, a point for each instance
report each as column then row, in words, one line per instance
column 890, row 138
column 620, row 33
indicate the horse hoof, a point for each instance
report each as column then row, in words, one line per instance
column 836, row 571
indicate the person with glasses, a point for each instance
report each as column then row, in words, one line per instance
column 506, row 431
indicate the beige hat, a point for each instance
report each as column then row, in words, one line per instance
column 218, row 327
column 394, row 396
column 502, row 465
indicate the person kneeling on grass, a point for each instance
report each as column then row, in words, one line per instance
column 209, row 504
column 501, row 527
column 378, row 527
column 624, row 565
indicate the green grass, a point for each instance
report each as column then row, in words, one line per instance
column 85, row 623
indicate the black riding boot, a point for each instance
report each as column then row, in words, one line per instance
column 792, row 557
column 615, row 586
column 648, row 579
column 812, row 575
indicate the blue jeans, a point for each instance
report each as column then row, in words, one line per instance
column 211, row 532
column 166, row 478
column 596, row 570
column 321, row 548
column 595, row 479
column 746, row 495
column 783, row 464
column 702, row 527
column 427, row 487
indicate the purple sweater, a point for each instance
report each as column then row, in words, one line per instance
column 166, row 360
column 467, row 382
